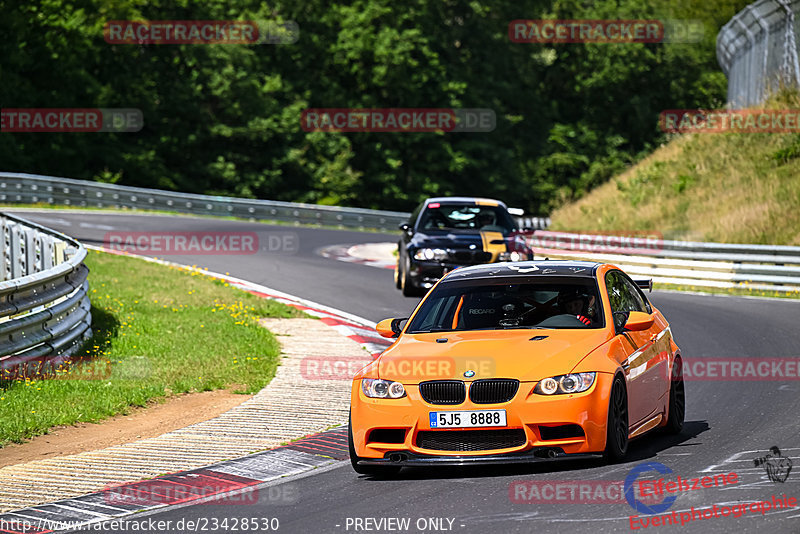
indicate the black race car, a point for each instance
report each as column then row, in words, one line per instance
column 449, row 232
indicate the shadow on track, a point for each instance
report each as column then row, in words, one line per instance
column 639, row 450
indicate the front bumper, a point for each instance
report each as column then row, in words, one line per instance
column 527, row 411
column 425, row 274
column 541, row 454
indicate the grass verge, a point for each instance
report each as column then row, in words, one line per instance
column 742, row 291
column 158, row 331
column 725, row 187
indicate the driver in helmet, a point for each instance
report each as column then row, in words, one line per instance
column 485, row 218
column 578, row 303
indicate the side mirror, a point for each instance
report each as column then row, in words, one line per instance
column 638, row 321
column 620, row 319
column 390, row 327
column 405, row 227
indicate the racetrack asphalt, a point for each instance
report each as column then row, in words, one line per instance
column 728, row 423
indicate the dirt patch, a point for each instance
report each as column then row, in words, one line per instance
column 177, row 412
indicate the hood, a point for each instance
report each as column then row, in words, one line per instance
column 504, row 354
column 456, row 239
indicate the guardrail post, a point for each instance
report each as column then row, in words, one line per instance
column 59, row 249
column 15, row 252
column 47, row 252
column 30, row 251
column 5, row 260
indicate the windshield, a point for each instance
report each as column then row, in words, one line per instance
column 466, row 217
column 510, row 303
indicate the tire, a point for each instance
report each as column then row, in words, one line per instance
column 677, row 400
column 617, row 427
column 373, row 470
column 406, row 285
column 397, row 268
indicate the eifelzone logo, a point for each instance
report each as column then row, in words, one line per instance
column 775, row 464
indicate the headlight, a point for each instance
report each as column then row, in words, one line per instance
column 510, row 256
column 382, row 389
column 430, row 254
column 548, row 386
column 562, row 384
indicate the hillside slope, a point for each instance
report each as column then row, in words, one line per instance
column 729, row 188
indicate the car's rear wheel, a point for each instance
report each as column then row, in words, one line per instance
column 677, row 400
column 617, row 428
column 374, row 470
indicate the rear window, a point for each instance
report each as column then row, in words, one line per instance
column 510, row 303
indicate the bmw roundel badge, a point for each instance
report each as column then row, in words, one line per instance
column 469, row 374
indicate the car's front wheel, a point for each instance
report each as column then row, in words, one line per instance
column 617, row 428
column 677, row 400
column 373, row 470
column 406, row 285
column 397, row 269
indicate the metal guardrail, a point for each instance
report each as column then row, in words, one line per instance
column 757, row 50
column 31, row 188
column 758, row 267
column 690, row 263
column 534, row 223
column 44, row 303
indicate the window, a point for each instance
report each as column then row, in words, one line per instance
column 510, row 303
column 634, row 290
column 414, row 215
column 466, row 217
column 623, row 294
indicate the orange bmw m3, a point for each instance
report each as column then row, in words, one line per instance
column 518, row 362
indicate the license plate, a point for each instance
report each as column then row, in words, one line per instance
column 468, row 419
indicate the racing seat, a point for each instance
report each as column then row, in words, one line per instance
column 435, row 221
column 479, row 311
